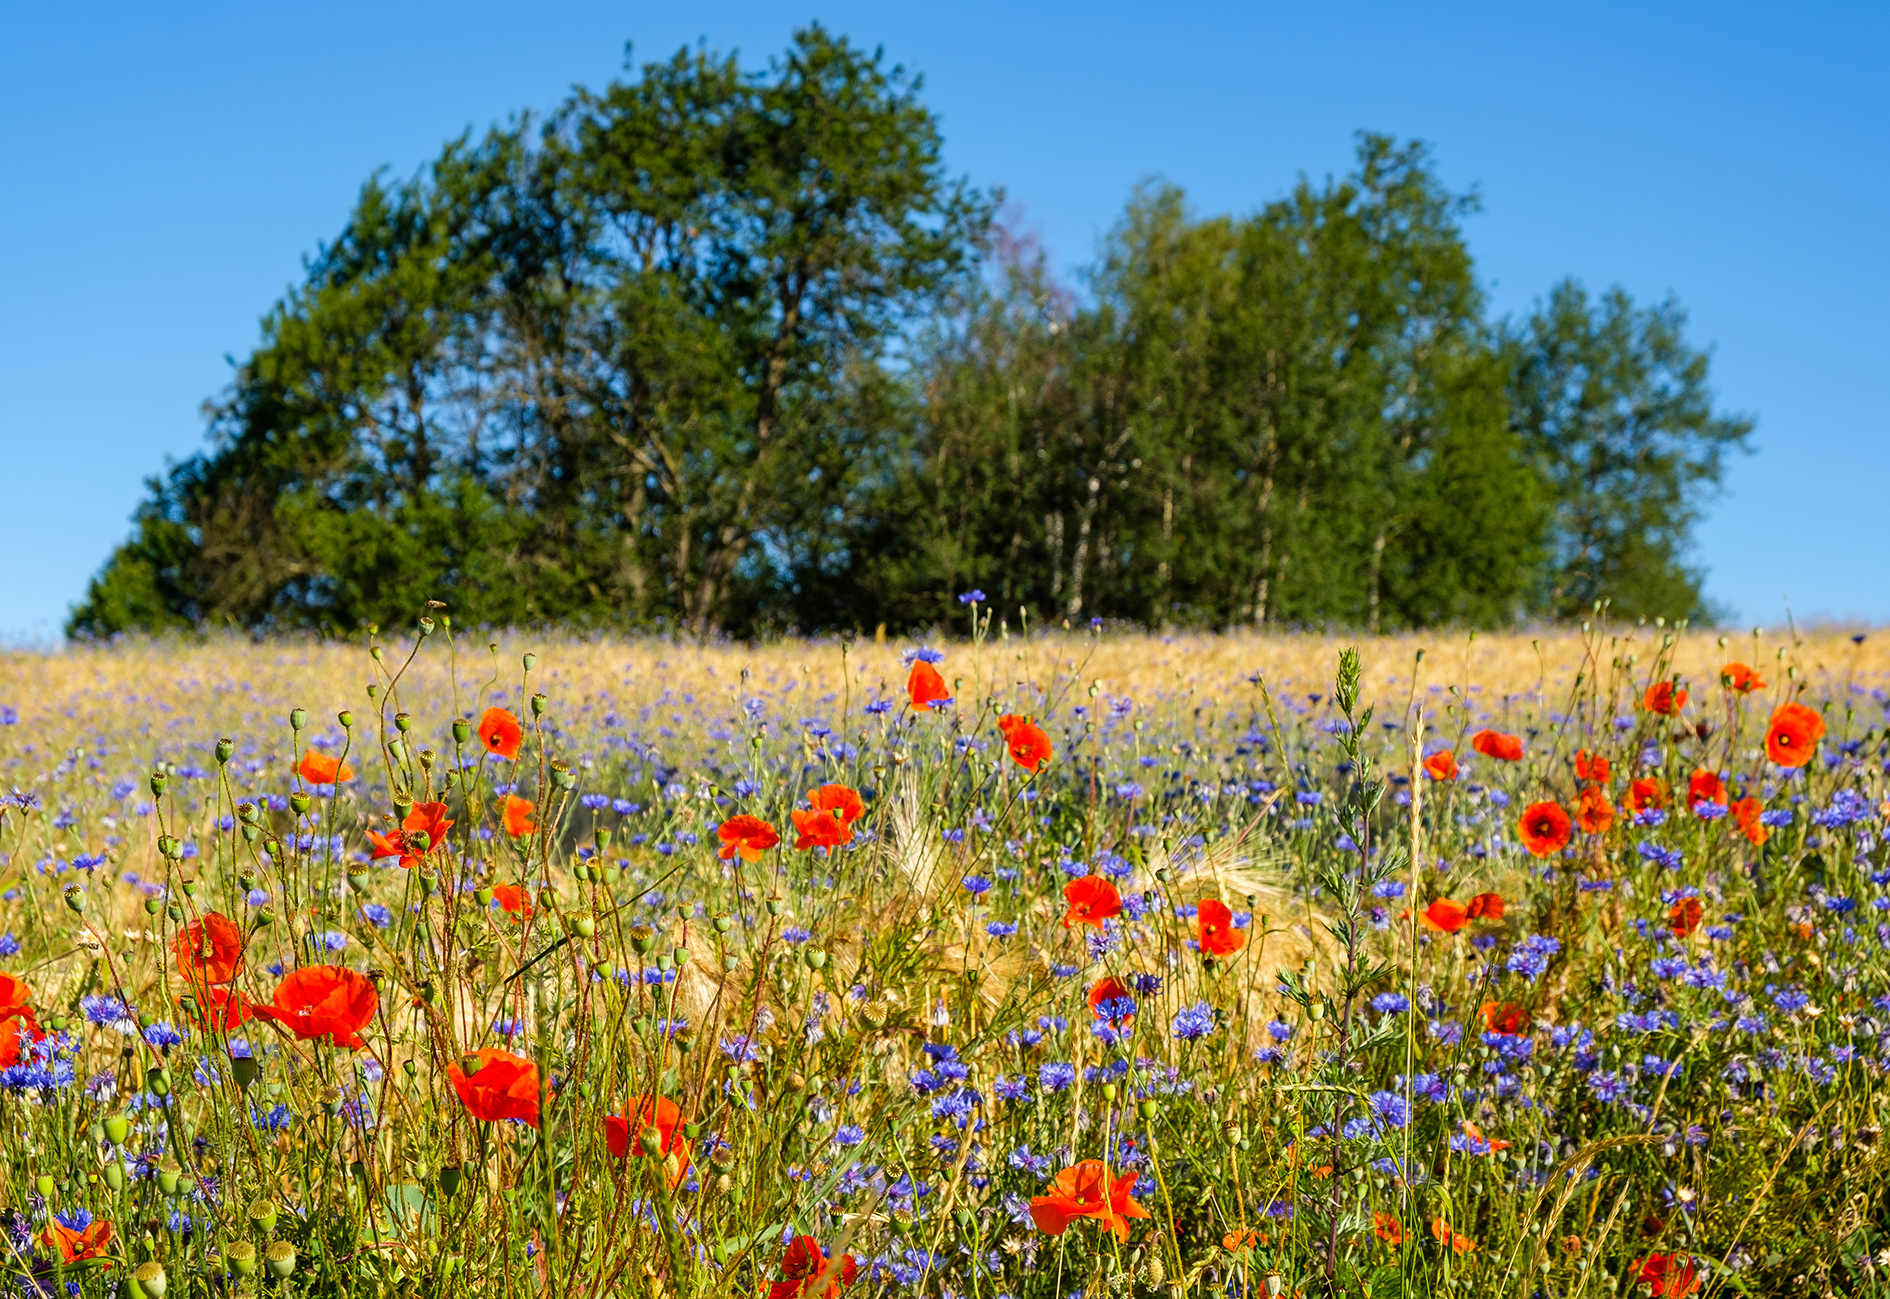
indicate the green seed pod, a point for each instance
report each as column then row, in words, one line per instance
column 582, row 925
column 722, row 924
column 157, row 1080
column 265, row 916
column 538, row 704
column 246, row 812
column 403, row 723
column 682, row 957
column 1148, row 1109
column 426, row 757
column 117, row 1128
column 114, row 1176
column 299, row 802
column 152, row 906
column 469, row 1063
column 251, row 833
column 483, row 895
column 175, row 912
column 225, row 747
column 398, row 748
column 189, row 1003
column 279, row 1260
column 531, row 661
column 167, row 1176
column 603, row 837
column 346, row 718
column 409, row 1068
column 775, row 906
column 449, row 1179
column 1109, row 1091
column 242, row 1258
column 45, row 1185
column 246, row 1070
column 58, row 1023
column 462, row 730
column 298, row 718
column 815, row 958
column 426, row 626
column 642, row 938
column 158, row 784
column 150, row 1280
column 262, row 1215
column 75, row 897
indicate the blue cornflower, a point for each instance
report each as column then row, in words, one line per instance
column 1194, row 1022
column 973, row 596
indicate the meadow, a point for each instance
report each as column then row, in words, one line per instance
column 1001, row 963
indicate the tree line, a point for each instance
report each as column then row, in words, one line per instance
column 729, row 350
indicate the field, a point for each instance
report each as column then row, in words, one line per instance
column 1140, row 966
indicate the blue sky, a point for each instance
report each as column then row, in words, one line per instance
column 169, row 166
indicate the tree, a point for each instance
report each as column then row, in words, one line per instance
column 1614, row 407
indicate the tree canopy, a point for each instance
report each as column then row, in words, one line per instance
column 733, row 350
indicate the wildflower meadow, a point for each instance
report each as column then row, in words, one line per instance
column 1007, row 962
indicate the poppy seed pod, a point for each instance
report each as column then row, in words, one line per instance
column 75, row 898
column 225, row 747
column 246, row 813
column 150, row 1279
column 462, row 730
column 449, row 1179
column 298, row 718
column 242, row 1258
column 403, row 722
column 280, row 1260
column 117, row 1128
column 299, row 803
column 538, row 704
column 426, row 626
column 246, row 1069
column 346, row 718
column 530, row 661
column 262, row 1214
column 158, row 783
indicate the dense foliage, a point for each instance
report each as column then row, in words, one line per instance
column 733, row 351
column 959, row 973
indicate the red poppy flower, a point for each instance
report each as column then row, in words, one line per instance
column 1738, row 677
column 1441, row 765
column 1495, row 744
column 1745, row 814
column 219, row 1009
column 1445, row 916
column 423, row 830
column 805, row 1271
column 1086, row 1190
column 828, row 822
column 15, row 996
column 1666, row 1276
column 78, row 1246
column 1664, row 698
column 1459, row 1243
column 1385, row 1227
column 661, row 1115
column 513, row 900
column 1545, row 829
column 1705, row 786
column 318, row 768
column 1645, row 793
column 1505, row 1017
column 1591, row 766
column 1794, row 733
column 209, row 951
column 1594, row 813
column 505, row 1086
column 1475, row 1133
column 1092, row 900
column 1115, row 991
column 1214, row 927
column 1030, row 747
column 500, row 732
column 17, row 1030
column 1485, row 906
column 748, row 835
column 518, row 816
column 1684, row 917
column 324, row 1001
column 926, row 687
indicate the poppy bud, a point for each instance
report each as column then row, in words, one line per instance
column 299, row 802
column 242, row 1258
column 225, row 747
column 298, row 718
column 462, row 730
column 75, row 897
column 45, row 1185
column 245, row 1068
column 346, row 718
column 280, row 1260
column 449, row 1179
column 150, row 1279
column 538, row 704
column 531, row 661
column 117, row 1128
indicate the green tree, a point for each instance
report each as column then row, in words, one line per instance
column 1614, row 407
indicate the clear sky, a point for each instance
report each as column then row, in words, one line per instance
column 168, row 166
